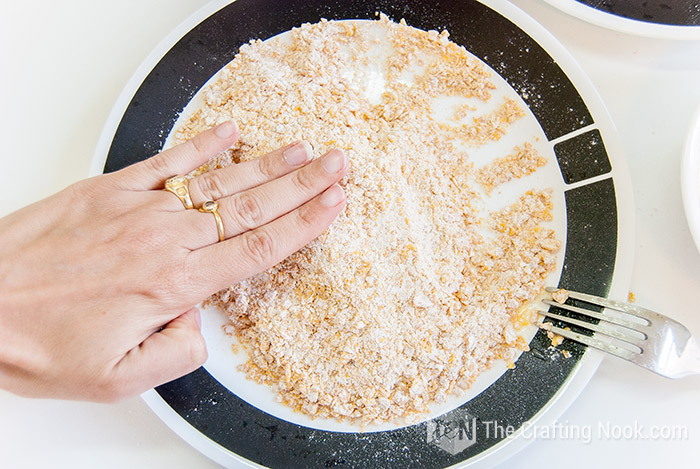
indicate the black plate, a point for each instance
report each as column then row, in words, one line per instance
column 591, row 244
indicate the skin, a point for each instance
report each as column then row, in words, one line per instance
column 98, row 283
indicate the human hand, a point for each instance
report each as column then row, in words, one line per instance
column 98, row 283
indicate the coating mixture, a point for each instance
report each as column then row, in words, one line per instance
column 414, row 290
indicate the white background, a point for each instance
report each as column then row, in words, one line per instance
column 63, row 65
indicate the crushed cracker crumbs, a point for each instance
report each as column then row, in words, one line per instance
column 523, row 161
column 560, row 296
column 403, row 300
column 556, row 339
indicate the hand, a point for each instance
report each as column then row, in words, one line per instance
column 98, row 283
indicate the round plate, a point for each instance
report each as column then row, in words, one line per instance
column 593, row 181
column 690, row 178
column 677, row 19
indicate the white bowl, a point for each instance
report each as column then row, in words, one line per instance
column 600, row 17
column 690, row 178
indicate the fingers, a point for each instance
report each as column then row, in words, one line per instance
column 227, row 181
column 176, row 350
column 221, row 264
column 255, row 207
column 181, row 159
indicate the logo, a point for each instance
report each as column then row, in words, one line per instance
column 453, row 432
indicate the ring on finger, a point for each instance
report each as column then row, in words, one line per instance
column 179, row 185
column 212, row 207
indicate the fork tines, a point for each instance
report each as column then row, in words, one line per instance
column 623, row 327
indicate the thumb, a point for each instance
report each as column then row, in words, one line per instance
column 174, row 351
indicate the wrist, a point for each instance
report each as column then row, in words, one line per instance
column 20, row 355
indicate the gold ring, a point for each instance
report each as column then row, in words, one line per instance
column 179, row 185
column 211, row 207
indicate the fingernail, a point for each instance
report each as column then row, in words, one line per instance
column 333, row 161
column 225, row 130
column 298, row 154
column 332, row 196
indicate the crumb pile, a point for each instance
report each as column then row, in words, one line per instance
column 413, row 291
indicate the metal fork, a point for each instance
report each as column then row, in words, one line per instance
column 648, row 339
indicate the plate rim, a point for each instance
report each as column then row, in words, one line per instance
column 589, row 362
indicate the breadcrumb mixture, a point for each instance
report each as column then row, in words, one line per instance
column 524, row 161
column 414, row 290
column 560, row 296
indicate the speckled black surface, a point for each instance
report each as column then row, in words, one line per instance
column 590, row 251
column 669, row 12
column 582, row 157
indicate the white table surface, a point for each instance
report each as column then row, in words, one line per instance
column 62, row 66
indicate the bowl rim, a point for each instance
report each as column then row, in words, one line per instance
column 690, row 177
